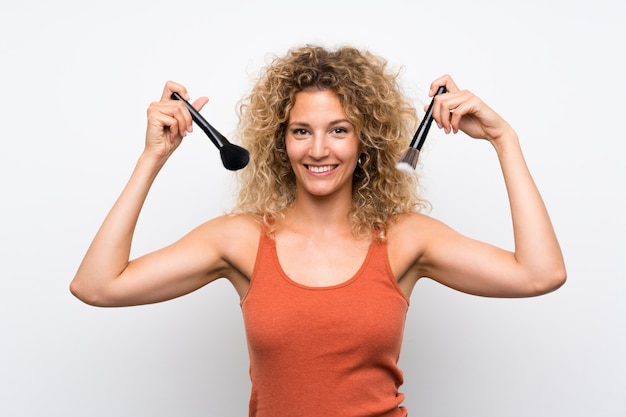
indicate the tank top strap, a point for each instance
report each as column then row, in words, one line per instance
column 263, row 261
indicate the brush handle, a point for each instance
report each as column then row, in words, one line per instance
column 422, row 130
column 216, row 137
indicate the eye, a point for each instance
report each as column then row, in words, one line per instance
column 299, row 132
column 340, row 131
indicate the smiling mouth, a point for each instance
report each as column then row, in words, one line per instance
column 320, row 169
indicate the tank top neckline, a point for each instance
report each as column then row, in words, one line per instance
column 348, row 281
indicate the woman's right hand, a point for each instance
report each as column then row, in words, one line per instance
column 169, row 121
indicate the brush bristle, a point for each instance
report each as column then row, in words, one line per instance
column 408, row 162
column 234, row 157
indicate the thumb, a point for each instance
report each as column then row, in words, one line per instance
column 199, row 103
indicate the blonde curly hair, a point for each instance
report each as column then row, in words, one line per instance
column 374, row 104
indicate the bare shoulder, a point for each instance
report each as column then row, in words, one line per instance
column 408, row 238
column 405, row 242
column 228, row 226
column 232, row 242
column 411, row 227
column 233, row 239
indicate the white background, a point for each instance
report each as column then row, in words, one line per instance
column 77, row 78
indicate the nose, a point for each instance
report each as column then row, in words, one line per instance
column 319, row 146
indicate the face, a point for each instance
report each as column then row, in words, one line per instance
column 322, row 144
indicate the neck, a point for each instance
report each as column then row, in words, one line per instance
column 319, row 215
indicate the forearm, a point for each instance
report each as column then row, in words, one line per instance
column 536, row 246
column 108, row 254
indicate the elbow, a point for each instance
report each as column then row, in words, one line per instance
column 78, row 291
column 562, row 277
column 551, row 281
column 84, row 294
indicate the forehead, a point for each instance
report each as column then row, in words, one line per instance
column 310, row 102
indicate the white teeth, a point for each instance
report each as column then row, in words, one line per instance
column 324, row 168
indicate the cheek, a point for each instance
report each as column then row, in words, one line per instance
column 351, row 150
column 291, row 149
column 296, row 150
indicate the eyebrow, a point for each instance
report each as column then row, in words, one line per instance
column 334, row 122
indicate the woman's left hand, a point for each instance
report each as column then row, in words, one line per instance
column 462, row 110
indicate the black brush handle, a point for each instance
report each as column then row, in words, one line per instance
column 216, row 137
column 422, row 130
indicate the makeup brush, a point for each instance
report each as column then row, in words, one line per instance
column 233, row 157
column 408, row 162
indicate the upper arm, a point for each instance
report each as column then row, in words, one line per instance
column 203, row 255
column 464, row 264
column 472, row 266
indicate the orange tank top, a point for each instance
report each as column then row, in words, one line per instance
column 324, row 351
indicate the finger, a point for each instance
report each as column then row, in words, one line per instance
column 469, row 107
column 456, row 115
column 441, row 110
column 171, row 87
column 444, row 80
column 172, row 126
column 170, row 116
column 199, row 103
column 464, row 108
column 161, row 124
column 183, row 117
column 443, row 105
column 452, row 107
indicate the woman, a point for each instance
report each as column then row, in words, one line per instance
column 326, row 243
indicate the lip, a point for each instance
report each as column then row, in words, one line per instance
column 321, row 169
